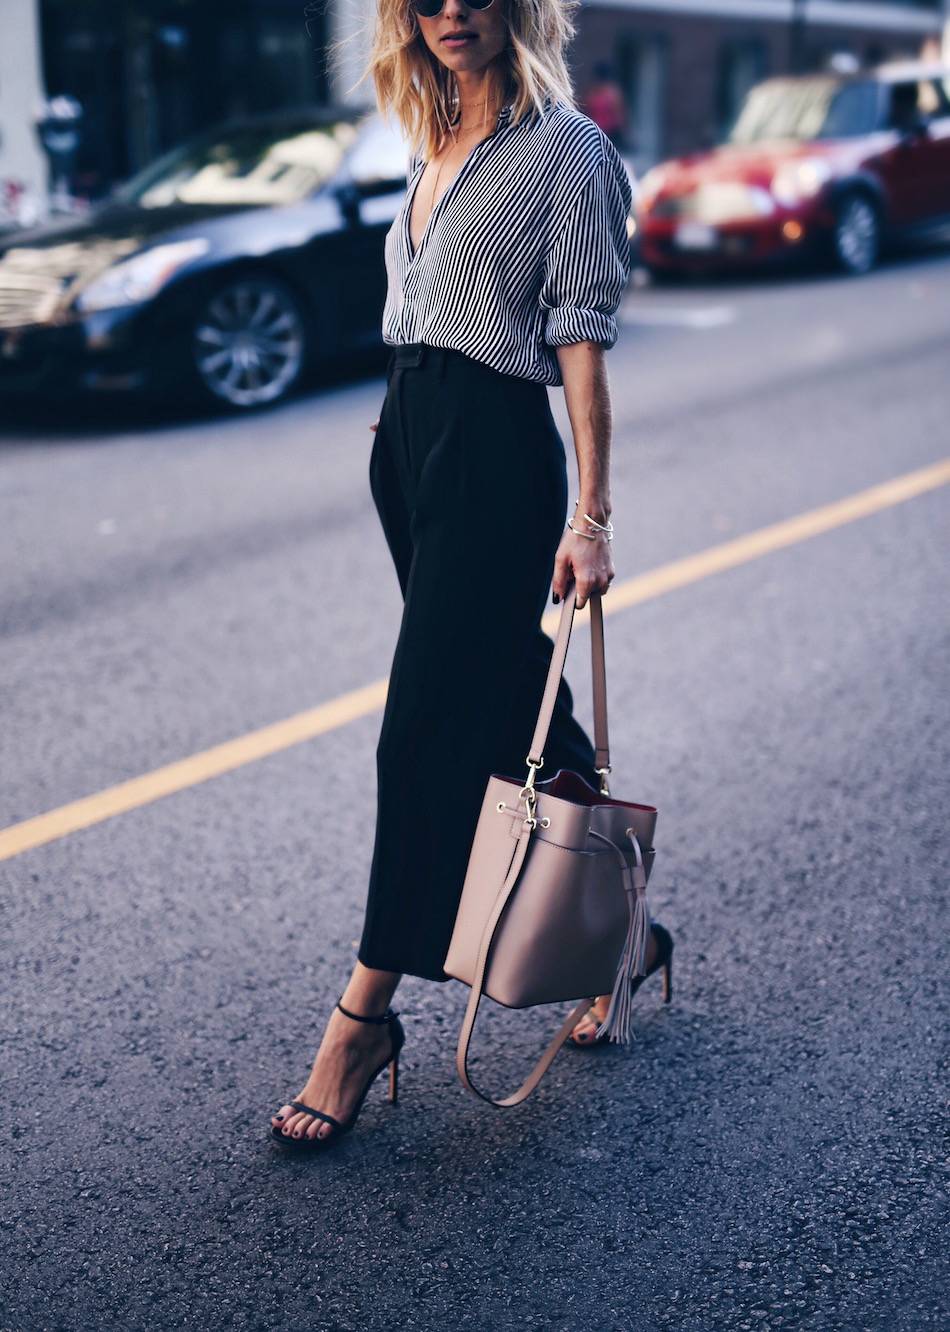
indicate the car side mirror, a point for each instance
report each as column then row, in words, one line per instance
column 348, row 197
column 350, row 193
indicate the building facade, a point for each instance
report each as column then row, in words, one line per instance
column 684, row 65
column 23, row 173
column 149, row 73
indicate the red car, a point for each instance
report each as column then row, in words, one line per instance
column 825, row 164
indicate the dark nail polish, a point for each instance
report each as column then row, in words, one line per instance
column 555, row 598
column 278, row 1116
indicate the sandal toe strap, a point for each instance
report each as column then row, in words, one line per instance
column 317, row 1114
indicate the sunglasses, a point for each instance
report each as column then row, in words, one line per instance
column 432, row 8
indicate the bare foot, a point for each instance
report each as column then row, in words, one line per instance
column 585, row 1030
column 348, row 1053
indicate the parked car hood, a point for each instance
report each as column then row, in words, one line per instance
column 79, row 247
column 110, row 222
column 756, row 163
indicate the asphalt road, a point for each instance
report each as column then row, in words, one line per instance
column 768, row 1152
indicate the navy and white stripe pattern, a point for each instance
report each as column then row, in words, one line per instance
column 527, row 249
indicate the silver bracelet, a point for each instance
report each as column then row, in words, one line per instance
column 607, row 528
column 601, row 527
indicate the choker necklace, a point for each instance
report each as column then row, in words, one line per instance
column 453, row 122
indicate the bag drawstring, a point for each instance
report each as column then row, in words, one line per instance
column 617, row 1023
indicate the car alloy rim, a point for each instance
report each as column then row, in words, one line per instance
column 249, row 342
column 856, row 234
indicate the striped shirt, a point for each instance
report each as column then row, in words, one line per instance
column 527, row 249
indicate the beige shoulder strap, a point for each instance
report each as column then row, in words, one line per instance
column 475, row 996
column 555, row 671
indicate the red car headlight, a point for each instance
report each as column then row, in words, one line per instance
column 796, row 181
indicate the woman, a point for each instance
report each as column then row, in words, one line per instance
column 506, row 265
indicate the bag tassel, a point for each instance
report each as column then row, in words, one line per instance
column 617, row 1024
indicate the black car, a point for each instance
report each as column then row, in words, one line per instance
column 229, row 265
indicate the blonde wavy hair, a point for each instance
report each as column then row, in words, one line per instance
column 415, row 87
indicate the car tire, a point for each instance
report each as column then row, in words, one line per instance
column 856, row 237
column 249, row 342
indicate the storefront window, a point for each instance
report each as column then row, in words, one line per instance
column 152, row 73
column 741, row 66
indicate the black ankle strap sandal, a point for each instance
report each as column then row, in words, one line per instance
column 361, row 1017
column 314, row 1143
column 664, row 959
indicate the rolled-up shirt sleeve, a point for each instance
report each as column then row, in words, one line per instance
column 588, row 265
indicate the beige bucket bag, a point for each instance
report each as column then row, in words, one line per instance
column 553, row 905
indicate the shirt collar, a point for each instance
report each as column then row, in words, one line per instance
column 504, row 115
column 504, row 119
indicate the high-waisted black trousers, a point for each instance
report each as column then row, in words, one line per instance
column 469, row 476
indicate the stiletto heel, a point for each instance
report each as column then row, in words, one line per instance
column 397, row 1036
column 663, row 959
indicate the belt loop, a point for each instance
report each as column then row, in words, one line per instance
column 409, row 353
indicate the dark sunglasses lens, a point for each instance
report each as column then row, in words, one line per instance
column 430, row 8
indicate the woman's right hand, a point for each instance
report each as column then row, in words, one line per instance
column 375, row 425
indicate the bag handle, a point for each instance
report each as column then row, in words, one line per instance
column 599, row 676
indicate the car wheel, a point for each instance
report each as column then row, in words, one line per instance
column 856, row 239
column 249, row 342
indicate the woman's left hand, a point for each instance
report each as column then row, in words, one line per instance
column 585, row 563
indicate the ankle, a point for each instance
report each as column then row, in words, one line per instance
column 364, row 1014
column 356, row 1034
column 369, row 992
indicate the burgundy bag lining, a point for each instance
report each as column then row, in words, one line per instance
column 572, row 787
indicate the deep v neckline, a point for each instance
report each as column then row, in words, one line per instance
column 414, row 252
column 411, row 250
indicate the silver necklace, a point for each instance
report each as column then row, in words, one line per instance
column 438, row 174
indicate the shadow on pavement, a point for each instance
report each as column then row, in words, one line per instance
column 906, row 253
column 62, row 416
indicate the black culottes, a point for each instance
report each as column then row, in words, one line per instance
column 469, row 476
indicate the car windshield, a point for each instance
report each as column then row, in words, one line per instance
column 246, row 165
column 805, row 109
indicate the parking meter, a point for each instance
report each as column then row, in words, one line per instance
column 58, row 123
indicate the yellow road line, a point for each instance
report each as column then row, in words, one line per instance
column 789, row 532
column 178, row 776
